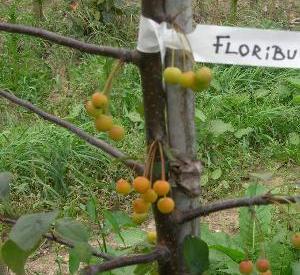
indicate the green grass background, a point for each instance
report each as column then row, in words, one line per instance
column 53, row 168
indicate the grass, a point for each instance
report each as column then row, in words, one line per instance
column 53, row 168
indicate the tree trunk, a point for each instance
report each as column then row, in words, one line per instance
column 184, row 169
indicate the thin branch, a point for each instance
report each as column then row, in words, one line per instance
column 182, row 217
column 159, row 253
column 124, row 54
column 55, row 238
column 110, row 150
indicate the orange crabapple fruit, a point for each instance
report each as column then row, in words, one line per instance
column 187, row 79
column 140, row 206
column 141, row 184
column 123, row 187
column 103, row 123
column 262, row 265
column 91, row 110
column 203, row 76
column 161, row 187
column 116, row 133
column 150, row 196
column 296, row 240
column 165, row 205
column 99, row 100
column 246, row 267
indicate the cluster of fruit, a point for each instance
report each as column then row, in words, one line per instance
column 263, row 265
column 197, row 81
column 97, row 108
column 148, row 194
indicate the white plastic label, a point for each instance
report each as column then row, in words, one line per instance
column 225, row 45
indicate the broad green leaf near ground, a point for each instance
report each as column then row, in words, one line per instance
column 72, row 230
column 219, row 127
column 255, row 222
column 29, row 229
column 196, row 255
column 14, row 257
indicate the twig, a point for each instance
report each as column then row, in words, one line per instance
column 159, row 253
column 148, row 161
column 124, row 54
column 162, row 160
column 55, row 238
column 110, row 150
column 182, row 217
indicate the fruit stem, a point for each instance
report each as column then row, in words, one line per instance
column 173, row 58
column 148, row 160
column 109, row 81
column 152, row 163
column 162, row 159
column 189, row 53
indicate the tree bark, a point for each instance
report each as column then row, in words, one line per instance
column 178, row 118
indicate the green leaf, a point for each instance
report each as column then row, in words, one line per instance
column 123, row 219
column 74, row 261
column 83, row 251
column 204, row 180
column 29, row 229
column 233, row 254
column 131, row 237
column 243, row 132
column 296, row 99
column 284, row 91
column 216, row 174
column 91, row 209
column 5, row 179
column 230, row 267
column 14, row 257
column 72, row 230
column 216, row 85
column 109, row 217
column 196, row 254
column 134, row 117
column 294, row 138
column 294, row 82
column 219, row 127
column 200, row 115
column 261, row 93
column 255, row 222
column 296, row 268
